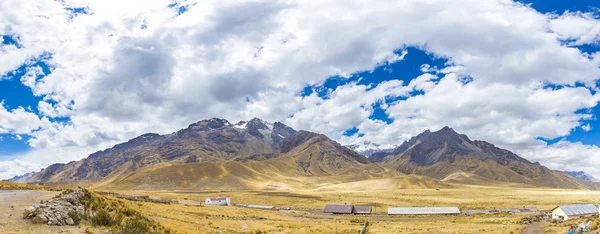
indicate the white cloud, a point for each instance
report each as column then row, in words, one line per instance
column 568, row 156
column 581, row 28
column 115, row 80
column 18, row 120
column 9, row 169
column 586, row 127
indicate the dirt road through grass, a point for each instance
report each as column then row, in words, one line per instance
column 533, row 228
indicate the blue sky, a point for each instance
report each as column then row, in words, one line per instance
column 81, row 77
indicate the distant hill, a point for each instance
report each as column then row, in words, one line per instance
column 581, row 175
column 449, row 156
column 23, row 178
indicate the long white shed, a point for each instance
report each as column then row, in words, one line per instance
column 423, row 210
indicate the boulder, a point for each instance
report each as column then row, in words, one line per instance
column 29, row 212
column 39, row 219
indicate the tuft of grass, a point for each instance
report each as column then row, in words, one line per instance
column 102, row 218
column 134, row 226
column 88, row 230
column 76, row 217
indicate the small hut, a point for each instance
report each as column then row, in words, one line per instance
column 218, row 201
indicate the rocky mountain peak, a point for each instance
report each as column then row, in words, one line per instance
column 209, row 124
column 259, row 124
column 447, row 133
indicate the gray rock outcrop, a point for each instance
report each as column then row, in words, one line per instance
column 58, row 211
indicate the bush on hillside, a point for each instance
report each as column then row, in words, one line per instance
column 133, row 226
column 102, row 218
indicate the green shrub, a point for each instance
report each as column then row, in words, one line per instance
column 134, row 226
column 130, row 212
column 102, row 218
column 75, row 216
column 89, row 231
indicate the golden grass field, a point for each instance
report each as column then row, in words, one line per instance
column 307, row 203
column 6, row 185
column 211, row 219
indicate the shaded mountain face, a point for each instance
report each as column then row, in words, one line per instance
column 381, row 156
column 448, row 155
column 209, row 141
column 581, row 175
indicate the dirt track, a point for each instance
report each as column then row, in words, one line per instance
column 533, row 228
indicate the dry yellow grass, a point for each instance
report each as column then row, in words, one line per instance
column 7, row 185
column 191, row 219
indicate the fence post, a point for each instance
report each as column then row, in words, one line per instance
column 364, row 228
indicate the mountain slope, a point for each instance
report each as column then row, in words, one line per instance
column 213, row 153
column 212, row 140
column 448, row 156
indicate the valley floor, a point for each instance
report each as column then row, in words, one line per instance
column 305, row 214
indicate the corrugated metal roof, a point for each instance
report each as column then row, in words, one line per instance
column 422, row 210
column 578, row 209
column 362, row 209
column 338, row 209
column 260, row 207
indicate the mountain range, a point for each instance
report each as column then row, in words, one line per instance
column 581, row 175
column 217, row 154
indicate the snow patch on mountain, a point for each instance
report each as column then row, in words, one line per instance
column 368, row 148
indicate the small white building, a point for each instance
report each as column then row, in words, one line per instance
column 218, row 201
column 567, row 212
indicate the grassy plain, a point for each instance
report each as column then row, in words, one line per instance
column 7, row 185
column 306, row 215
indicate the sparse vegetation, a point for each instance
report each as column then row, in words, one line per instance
column 7, row 185
column 88, row 230
column 102, row 218
column 76, row 217
column 119, row 215
column 134, row 226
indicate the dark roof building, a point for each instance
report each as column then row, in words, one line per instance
column 362, row 210
column 338, row 209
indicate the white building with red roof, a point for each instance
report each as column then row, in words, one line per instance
column 218, row 201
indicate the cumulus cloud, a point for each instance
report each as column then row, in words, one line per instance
column 9, row 169
column 577, row 28
column 19, row 120
column 569, row 156
column 123, row 71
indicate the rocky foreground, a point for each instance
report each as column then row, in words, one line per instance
column 65, row 209
column 93, row 210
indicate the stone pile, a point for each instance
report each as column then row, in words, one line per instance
column 58, row 211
